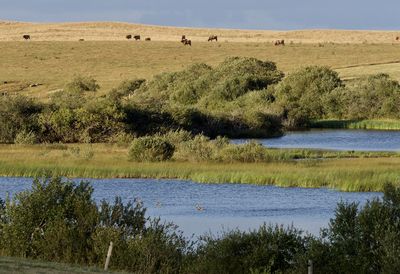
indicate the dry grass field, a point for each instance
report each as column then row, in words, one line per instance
column 54, row 55
column 113, row 31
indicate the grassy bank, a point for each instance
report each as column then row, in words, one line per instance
column 346, row 171
column 28, row 266
column 353, row 124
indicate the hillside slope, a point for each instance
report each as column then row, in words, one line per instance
column 112, row 31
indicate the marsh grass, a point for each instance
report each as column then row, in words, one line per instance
column 382, row 124
column 346, row 171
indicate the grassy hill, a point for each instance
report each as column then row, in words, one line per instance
column 54, row 55
column 113, row 31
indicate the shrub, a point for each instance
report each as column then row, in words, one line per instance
column 247, row 153
column 198, row 149
column 25, row 138
column 81, row 84
column 266, row 250
column 151, row 149
column 301, row 94
column 126, row 88
column 53, row 221
column 18, row 114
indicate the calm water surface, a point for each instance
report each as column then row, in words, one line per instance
column 226, row 206
column 367, row 140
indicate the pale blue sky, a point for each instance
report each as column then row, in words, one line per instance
column 250, row 14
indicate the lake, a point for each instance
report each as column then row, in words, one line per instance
column 365, row 140
column 226, row 206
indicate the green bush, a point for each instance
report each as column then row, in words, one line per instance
column 126, row 88
column 81, row 84
column 266, row 250
column 251, row 152
column 25, row 138
column 18, row 114
column 59, row 221
column 151, row 149
column 301, row 94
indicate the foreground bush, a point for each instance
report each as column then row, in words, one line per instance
column 266, row 250
column 59, row 221
column 151, row 149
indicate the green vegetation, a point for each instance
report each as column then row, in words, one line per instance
column 151, row 149
column 59, row 221
column 30, row 266
column 241, row 97
column 347, row 171
column 352, row 124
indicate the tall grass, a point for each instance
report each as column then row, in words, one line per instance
column 363, row 124
column 347, row 172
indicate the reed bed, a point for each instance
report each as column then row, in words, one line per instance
column 387, row 124
column 354, row 171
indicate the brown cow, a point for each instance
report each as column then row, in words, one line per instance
column 26, row 37
column 183, row 38
column 148, row 39
column 279, row 42
column 187, row 42
column 397, row 38
column 212, row 38
column 129, row 36
column 136, row 37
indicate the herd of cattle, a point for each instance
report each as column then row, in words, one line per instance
column 184, row 40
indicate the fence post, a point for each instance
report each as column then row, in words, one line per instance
column 110, row 248
column 310, row 267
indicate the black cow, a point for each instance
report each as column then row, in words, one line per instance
column 280, row 43
column 129, row 37
column 212, row 38
column 183, row 38
column 26, row 37
column 137, row 37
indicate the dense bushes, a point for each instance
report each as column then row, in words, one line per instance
column 270, row 249
column 241, row 97
column 301, row 94
column 151, row 149
column 18, row 114
column 59, row 221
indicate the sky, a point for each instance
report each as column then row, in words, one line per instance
column 245, row 14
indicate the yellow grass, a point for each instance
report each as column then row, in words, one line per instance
column 112, row 31
column 52, row 64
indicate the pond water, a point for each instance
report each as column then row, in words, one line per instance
column 226, row 206
column 366, row 140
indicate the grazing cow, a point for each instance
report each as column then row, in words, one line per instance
column 187, row 42
column 280, row 43
column 26, row 37
column 129, row 37
column 212, row 38
column 183, row 38
column 136, row 37
column 148, row 39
